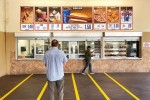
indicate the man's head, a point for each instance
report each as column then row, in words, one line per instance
column 89, row 47
column 59, row 46
column 54, row 43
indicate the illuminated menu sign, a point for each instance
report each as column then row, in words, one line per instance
column 54, row 18
column 126, row 18
column 26, row 19
column 99, row 18
column 41, row 18
column 113, row 18
column 77, row 18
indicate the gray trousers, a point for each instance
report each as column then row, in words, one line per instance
column 59, row 85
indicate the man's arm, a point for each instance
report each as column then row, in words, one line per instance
column 64, row 60
column 44, row 60
column 64, row 65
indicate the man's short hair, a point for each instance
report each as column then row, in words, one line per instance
column 54, row 43
column 88, row 47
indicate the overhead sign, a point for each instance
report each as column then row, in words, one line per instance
column 76, row 18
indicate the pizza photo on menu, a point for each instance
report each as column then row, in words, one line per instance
column 99, row 14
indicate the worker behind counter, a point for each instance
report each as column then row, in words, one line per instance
column 32, row 55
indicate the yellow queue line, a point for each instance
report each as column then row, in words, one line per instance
column 12, row 90
column 99, row 88
column 125, row 89
column 42, row 91
column 75, row 87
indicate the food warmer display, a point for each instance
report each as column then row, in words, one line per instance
column 122, row 45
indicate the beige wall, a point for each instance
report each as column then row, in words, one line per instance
column 2, row 39
column 10, row 47
column 146, row 37
column 140, row 7
column 2, row 54
column 2, row 16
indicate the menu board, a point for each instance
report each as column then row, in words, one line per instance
column 77, row 18
column 41, row 18
column 113, row 18
column 54, row 18
column 99, row 18
column 26, row 18
column 126, row 18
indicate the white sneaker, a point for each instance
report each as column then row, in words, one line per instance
column 92, row 73
column 83, row 73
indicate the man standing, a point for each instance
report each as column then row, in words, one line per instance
column 88, row 56
column 54, row 60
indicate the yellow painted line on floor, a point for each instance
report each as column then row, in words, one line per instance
column 75, row 87
column 42, row 91
column 12, row 90
column 134, row 96
column 99, row 88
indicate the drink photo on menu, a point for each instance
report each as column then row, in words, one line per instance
column 126, row 15
column 41, row 14
column 55, row 15
column 41, row 18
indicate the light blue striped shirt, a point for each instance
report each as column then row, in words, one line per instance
column 54, row 60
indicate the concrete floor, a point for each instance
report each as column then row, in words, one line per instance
column 137, row 84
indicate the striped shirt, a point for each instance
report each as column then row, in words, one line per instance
column 54, row 60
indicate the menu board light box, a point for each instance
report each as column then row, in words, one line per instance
column 76, row 18
column 99, row 18
column 126, row 18
column 113, row 18
column 26, row 18
column 54, row 18
column 41, row 18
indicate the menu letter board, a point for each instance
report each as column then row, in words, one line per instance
column 99, row 18
column 41, row 18
column 26, row 18
column 54, row 18
column 126, row 18
column 77, row 18
column 113, row 18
